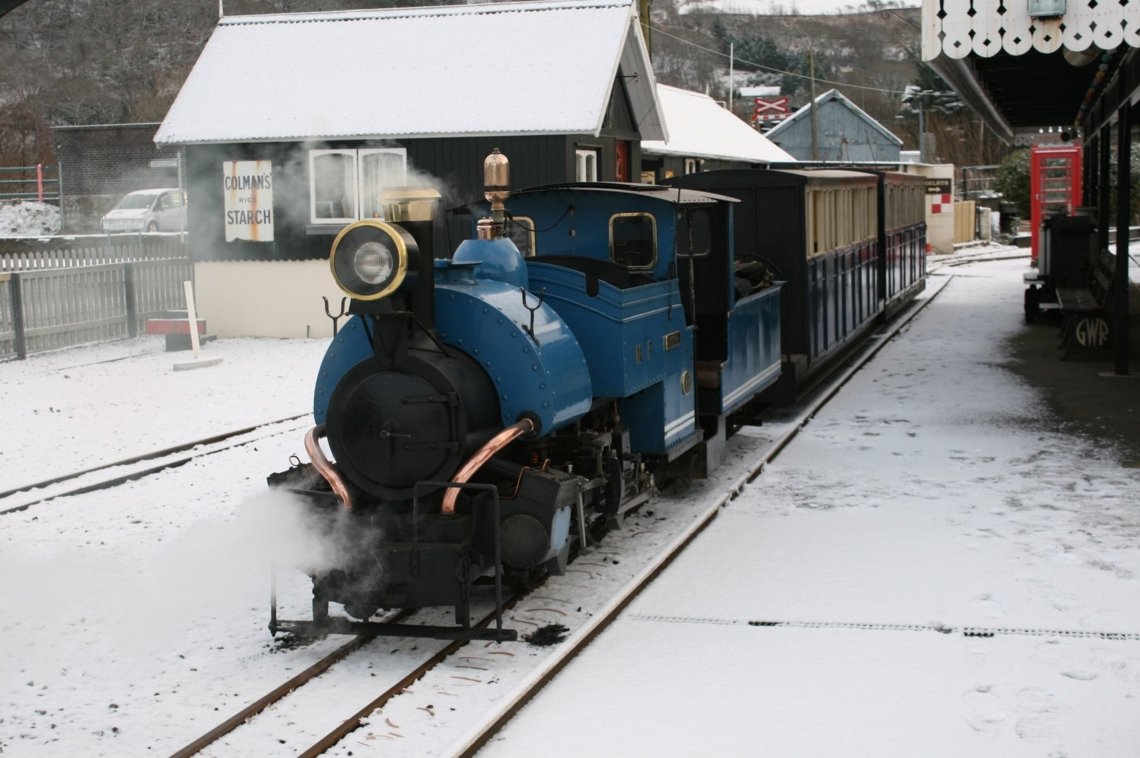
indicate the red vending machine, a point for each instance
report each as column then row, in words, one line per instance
column 1054, row 186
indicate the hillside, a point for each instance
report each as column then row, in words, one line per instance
column 870, row 56
column 70, row 62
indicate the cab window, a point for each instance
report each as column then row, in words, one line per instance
column 633, row 240
column 520, row 230
column 694, row 234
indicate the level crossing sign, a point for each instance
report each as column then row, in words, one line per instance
column 770, row 109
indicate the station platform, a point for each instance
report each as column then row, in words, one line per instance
column 943, row 563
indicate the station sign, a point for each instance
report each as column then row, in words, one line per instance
column 247, row 187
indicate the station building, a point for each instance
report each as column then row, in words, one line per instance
column 294, row 125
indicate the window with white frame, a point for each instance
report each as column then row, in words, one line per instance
column 347, row 184
column 587, row 164
column 692, row 166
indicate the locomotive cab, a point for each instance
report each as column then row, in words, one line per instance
column 702, row 352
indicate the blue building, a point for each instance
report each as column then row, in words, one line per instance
column 843, row 133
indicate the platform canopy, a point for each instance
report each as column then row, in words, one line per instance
column 1032, row 65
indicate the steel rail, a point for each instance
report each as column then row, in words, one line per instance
column 353, row 722
column 324, row 664
column 140, row 473
column 276, row 695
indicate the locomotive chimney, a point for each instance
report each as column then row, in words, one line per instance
column 496, row 188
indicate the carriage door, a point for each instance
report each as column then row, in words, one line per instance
column 1055, row 186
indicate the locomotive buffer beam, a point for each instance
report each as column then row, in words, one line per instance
column 382, row 629
column 322, row 623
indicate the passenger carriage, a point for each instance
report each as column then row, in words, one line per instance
column 845, row 250
column 902, row 224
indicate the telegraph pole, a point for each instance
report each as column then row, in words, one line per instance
column 811, row 77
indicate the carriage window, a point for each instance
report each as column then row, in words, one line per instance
column 694, row 234
column 823, row 221
column 633, row 240
column 520, row 230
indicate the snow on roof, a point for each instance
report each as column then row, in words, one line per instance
column 494, row 69
column 770, row 90
column 836, row 95
column 700, row 128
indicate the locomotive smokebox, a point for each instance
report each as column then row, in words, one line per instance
column 414, row 415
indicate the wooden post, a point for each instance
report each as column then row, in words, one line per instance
column 19, row 338
column 192, row 316
column 1120, row 284
column 131, row 298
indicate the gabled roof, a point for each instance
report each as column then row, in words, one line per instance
column 525, row 68
column 832, row 95
column 701, row 128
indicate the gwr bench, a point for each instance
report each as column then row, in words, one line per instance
column 177, row 330
column 1085, row 316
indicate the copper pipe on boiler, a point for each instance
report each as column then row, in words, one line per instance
column 486, row 453
column 324, row 467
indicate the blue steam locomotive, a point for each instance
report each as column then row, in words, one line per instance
column 489, row 414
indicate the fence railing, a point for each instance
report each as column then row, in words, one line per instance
column 977, row 181
column 39, row 182
column 50, row 307
column 51, row 253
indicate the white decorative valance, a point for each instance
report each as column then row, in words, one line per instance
column 957, row 28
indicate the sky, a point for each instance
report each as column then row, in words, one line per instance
column 931, row 497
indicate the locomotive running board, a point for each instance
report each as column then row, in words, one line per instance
column 380, row 629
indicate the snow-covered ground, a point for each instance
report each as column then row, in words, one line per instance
column 134, row 618
column 28, row 219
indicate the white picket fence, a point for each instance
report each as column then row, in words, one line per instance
column 66, row 295
column 52, row 253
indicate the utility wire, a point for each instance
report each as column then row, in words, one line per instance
column 657, row 30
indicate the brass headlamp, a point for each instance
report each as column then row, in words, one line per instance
column 369, row 259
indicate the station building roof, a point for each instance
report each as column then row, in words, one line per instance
column 513, row 68
column 699, row 127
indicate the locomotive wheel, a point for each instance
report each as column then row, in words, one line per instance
column 525, row 580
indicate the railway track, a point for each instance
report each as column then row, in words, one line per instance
column 118, row 472
column 617, row 571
